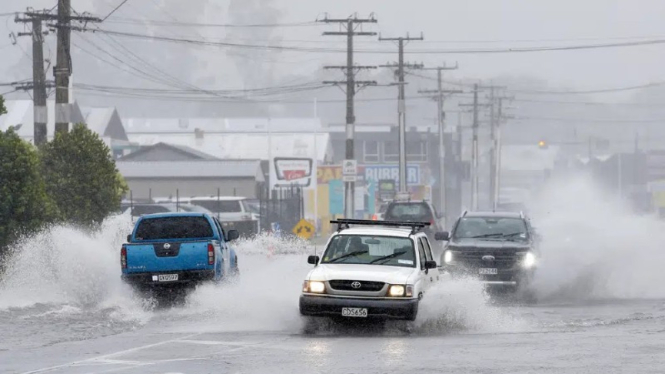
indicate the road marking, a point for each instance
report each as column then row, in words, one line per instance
column 106, row 356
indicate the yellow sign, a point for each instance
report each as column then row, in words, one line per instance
column 304, row 229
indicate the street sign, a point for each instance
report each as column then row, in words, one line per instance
column 304, row 229
column 350, row 168
column 349, row 178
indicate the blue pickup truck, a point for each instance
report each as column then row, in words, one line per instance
column 168, row 250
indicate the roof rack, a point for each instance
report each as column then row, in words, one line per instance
column 465, row 212
column 345, row 223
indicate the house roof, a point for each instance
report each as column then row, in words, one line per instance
column 191, row 169
column 20, row 112
column 221, row 125
column 183, row 149
column 103, row 121
column 254, row 146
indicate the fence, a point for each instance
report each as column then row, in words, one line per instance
column 272, row 210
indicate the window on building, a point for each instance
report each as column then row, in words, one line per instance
column 416, row 151
column 371, row 151
column 390, row 152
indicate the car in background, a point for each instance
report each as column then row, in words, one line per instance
column 381, row 212
column 406, row 210
column 141, row 209
column 500, row 248
column 234, row 212
column 370, row 269
column 168, row 251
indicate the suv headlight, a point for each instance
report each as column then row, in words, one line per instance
column 529, row 260
column 314, row 287
column 448, row 256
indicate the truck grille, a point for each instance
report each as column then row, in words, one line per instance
column 474, row 258
column 347, row 285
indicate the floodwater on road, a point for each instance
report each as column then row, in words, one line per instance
column 600, row 309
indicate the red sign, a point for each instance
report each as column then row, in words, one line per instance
column 290, row 175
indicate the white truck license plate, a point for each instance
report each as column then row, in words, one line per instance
column 167, row 277
column 354, row 312
column 487, row 271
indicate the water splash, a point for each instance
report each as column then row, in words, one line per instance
column 594, row 246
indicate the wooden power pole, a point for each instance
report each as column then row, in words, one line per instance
column 401, row 105
column 349, row 28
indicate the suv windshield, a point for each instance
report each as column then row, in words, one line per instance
column 370, row 250
column 195, row 227
column 415, row 212
column 491, row 228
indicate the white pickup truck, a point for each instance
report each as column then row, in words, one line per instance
column 372, row 270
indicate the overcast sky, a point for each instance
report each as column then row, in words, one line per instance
column 446, row 25
column 470, row 21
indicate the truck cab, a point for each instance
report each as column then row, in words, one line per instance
column 177, row 249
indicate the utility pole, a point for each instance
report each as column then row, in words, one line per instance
column 63, row 68
column 440, row 98
column 401, row 106
column 474, row 151
column 349, row 28
column 498, row 145
column 40, row 111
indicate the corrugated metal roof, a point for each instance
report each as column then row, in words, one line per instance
column 221, row 125
column 181, row 148
column 98, row 119
column 191, row 169
column 247, row 146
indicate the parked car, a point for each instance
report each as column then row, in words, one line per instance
column 232, row 211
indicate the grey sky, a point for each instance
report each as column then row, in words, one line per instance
column 473, row 20
column 467, row 24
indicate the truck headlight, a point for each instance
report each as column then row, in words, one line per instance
column 314, row 287
column 396, row 291
column 448, row 257
column 529, row 260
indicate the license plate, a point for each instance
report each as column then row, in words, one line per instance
column 487, row 271
column 167, row 277
column 354, row 312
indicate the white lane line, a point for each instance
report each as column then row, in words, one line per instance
column 135, row 349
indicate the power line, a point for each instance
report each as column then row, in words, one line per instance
column 378, row 51
column 591, row 120
column 139, row 21
column 114, row 10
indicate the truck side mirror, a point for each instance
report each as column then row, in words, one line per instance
column 442, row 236
column 129, row 238
column 232, row 235
column 313, row 260
column 430, row 265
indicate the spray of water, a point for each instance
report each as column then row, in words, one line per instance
column 68, row 266
column 594, row 246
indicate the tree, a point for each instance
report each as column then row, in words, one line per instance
column 24, row 206
column 3, row 110
column 81, row 176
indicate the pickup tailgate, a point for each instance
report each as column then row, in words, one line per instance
column 160, row 257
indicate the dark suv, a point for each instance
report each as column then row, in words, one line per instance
column 417, row 211
column 500, row 248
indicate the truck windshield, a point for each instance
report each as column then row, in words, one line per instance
column 161, row 228
column 370, row 250
column 491, row 228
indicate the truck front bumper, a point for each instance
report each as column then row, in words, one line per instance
column 405, row 309
column 187, row 277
